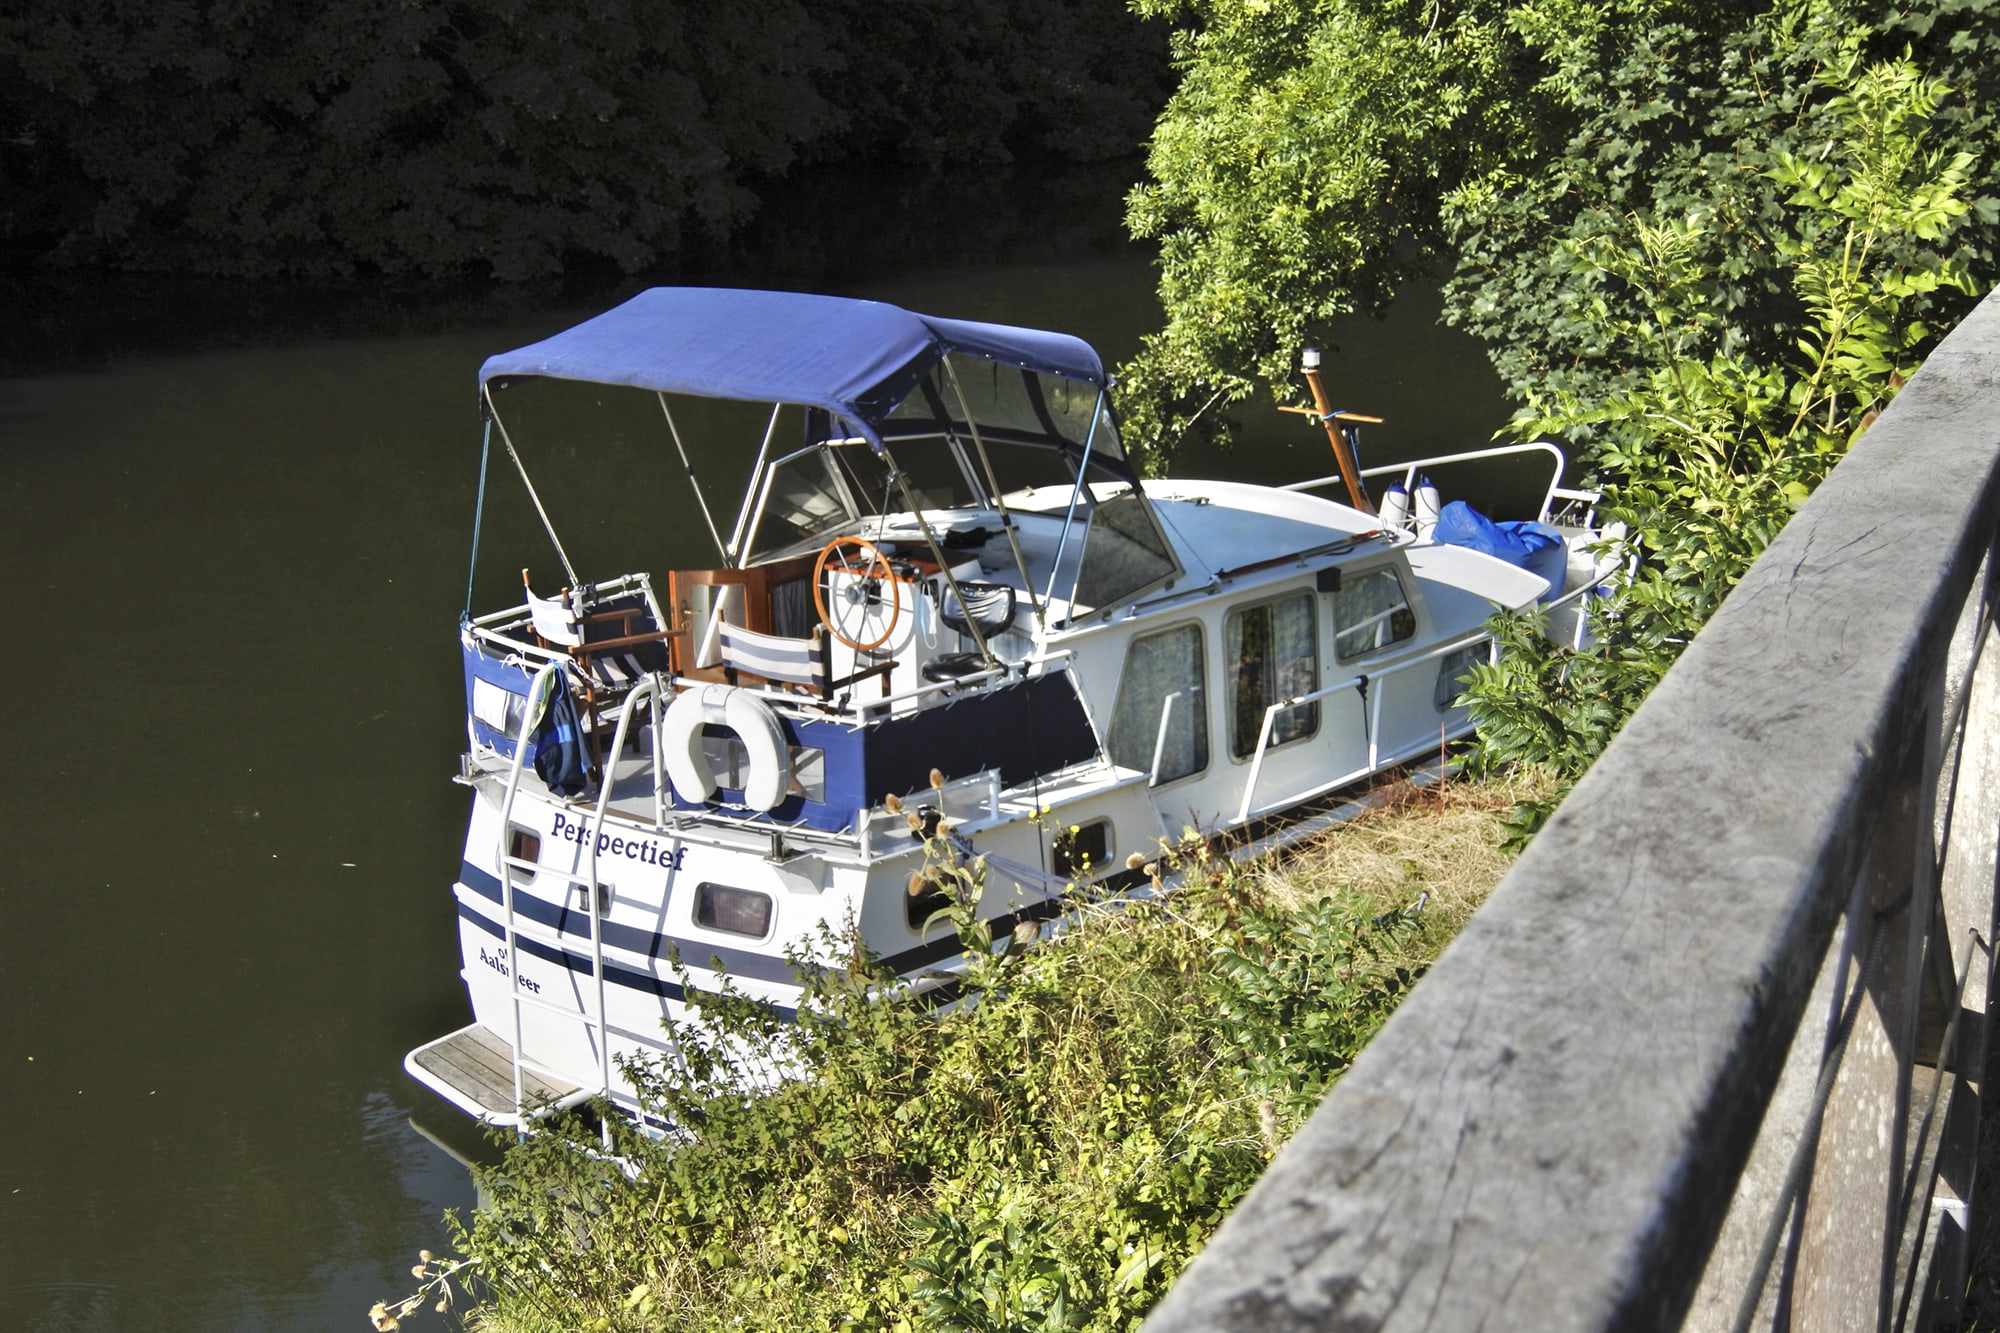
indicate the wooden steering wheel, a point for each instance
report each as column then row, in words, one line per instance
column 862, row 560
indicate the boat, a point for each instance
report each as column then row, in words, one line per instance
column 948, row 612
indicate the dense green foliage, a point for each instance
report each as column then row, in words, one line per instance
column 1703, row 243
column 259, row 138
column 1708, row 447
column 1047, row 1158
column 1317, row 151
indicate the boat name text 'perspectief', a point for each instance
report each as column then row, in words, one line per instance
column 632, row 849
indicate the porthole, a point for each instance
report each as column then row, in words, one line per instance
column 925, row 903
column 522, row 845
column 1081, row 854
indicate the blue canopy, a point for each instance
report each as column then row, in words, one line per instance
column 857, row 359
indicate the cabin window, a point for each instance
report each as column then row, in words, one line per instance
column 1370, row 612
column 522, row 845
column 1083, row 852
column 1273, row 652
column 1162, row 708
column 1453, row 668
column 732, row 911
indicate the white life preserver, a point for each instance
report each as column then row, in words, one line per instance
column 770, row 758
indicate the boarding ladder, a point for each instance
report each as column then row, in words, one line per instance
column 597, row 1025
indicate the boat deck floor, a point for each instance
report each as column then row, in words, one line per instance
column 473, row 1068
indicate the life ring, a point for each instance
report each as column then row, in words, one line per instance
column 769, row 765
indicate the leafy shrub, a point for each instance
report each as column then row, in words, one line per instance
column 1707, row 453
column 1319, row 153
column 1047, row 1157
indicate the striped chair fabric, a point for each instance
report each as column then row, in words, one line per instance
column 793, row 661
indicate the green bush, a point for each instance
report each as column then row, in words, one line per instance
column 1707, row 452
column 1048, row 1156
column 1319, row 154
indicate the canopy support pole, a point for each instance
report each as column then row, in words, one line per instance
column 753, row 499
column 993, row 489
column 693, row 480
column 478, row 513
column 521, row 468
column 1076, row 495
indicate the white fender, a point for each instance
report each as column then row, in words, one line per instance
column 1427, row 506
column 770, row 759
column 1395, row 507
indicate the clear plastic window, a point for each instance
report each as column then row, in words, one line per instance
column 1009, row 402
column 1273, row 651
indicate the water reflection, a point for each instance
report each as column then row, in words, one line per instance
column 233, row 709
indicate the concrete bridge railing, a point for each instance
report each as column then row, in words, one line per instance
column 1710, row 1056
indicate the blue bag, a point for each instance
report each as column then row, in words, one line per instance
column 1535, row 547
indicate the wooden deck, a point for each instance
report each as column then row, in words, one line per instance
column 474, row 1068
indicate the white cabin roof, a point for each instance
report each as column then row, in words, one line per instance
column 1220, row 525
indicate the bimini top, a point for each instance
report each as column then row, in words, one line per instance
column 857, row 359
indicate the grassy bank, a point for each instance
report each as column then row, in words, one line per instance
column 1049, row 1158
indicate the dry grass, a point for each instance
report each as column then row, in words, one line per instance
column 1444, row 841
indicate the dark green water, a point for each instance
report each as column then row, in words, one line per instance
column 233, row 708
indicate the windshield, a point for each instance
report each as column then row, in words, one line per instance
column 1034, row 443
column 1010, row 405
column 1033, row 432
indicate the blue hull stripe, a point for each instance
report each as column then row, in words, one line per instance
column 647, row 943
column 613, row 973
column 735, row 962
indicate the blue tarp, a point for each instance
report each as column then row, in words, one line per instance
column 1535, row 547
column 854, row 358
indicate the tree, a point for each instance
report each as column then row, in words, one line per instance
column 263, row 137
column 1709, row 447
column 259, row 138
column 1318, row 152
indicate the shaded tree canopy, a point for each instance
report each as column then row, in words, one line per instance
column 261, row 137
column 1317, row 152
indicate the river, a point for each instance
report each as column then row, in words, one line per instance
column 234, row 707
